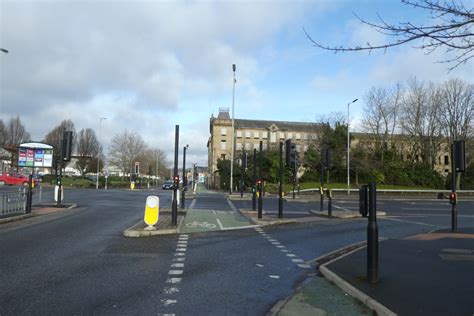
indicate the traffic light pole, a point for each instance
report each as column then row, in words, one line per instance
column 454, row 213
column 60, row 179
column 280, row 187
column 242, row 170
column 260, row 198
column 254, row 190
column 372, row 237
column 321, row 179
column 183, row 193
column 174, row 204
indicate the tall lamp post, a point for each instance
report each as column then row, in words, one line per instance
column 98, row 154
column 184, row 177
column 348, row 148
column 232, row 134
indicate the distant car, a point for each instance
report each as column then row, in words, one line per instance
column 167, row 185
column 13, row 178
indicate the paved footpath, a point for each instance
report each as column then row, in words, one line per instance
column 211, row 211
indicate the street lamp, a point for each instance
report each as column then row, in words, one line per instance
column 348, row 147
column 232, row 133
column 184, row 176
column 98, row 154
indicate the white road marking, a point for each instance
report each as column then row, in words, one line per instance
column 304, row 266
column 169, row 302
column 342, row 208
column 275, row 243
column 272, row 240
column 177, row 254
column 175, row 272
column 174, row 280
column 181, row 249
column 191, row 206
column 259, row 265
column 171, row 290
column 448, row 208
column 178, row 259
column 411, row 222
column 290, row 255
column 213, row 212
column 274, row 276
column 219, row 223
column 297, row 260
column 284, row 250
column 177, row 265
column 280, row 246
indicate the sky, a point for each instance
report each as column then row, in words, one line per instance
column 147, row 66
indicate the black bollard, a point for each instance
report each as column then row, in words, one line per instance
column 321, row 203
column 372, row 237
column 329, row 193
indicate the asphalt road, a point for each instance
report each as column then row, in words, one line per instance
column 77, row 261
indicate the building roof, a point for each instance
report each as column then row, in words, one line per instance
column 282, row 125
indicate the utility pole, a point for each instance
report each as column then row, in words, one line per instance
column 232, row 135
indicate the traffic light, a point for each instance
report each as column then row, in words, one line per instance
column 290, row 154
column 453, row 198
column 67, row 146
column 364, row 201
column 244, row 161
column 176, row 181
column 459, row 156
column 259, row 183
column 328, row 158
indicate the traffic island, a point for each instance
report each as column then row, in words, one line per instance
column 343, row 214
column 38, row 210
column 265, row 220
column 163, row 227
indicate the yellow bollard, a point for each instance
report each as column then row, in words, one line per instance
column 152, row 211
column 132, row 185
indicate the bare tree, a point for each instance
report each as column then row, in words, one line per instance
column 55, row 136
column 381, row 115
column 3, row 133
column 457, row 114
column 451, row 30
column 126, row 148
column 87, row 150
column 421, row 109
column 16, row 132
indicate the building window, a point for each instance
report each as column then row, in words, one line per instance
column 247, row 134
column 305, row 148
column 282, row 135
column 446, row 160
column 264, row 135
column 223, row 145
column 298, row 148
column 264, row 146
column 256, row 135
column 247, row 146
column 223, row 131
column 273, row 137
column 290, row 135
column 239, row 134
column 298, row 136
column 255, row 146
column 239, row 146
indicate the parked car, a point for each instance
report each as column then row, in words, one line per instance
column 167, row 185
column 13, row 178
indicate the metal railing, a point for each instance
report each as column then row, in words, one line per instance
column 396, row 191
column 13, row 201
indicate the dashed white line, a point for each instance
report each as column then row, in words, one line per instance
column 175, row 272
column 290, row 255
column 174, row 280
column 181, row 249
column 177, row 265
column 297, row 260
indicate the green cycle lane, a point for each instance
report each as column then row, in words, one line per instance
column 199, row 220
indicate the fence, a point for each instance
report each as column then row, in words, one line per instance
column 12, row 201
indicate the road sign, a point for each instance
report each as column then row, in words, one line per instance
column 152, row 210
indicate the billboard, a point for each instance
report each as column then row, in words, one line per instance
column 36, row 155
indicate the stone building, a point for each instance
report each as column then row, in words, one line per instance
column 248, row 134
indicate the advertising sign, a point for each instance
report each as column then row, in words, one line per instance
column 35, row 155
